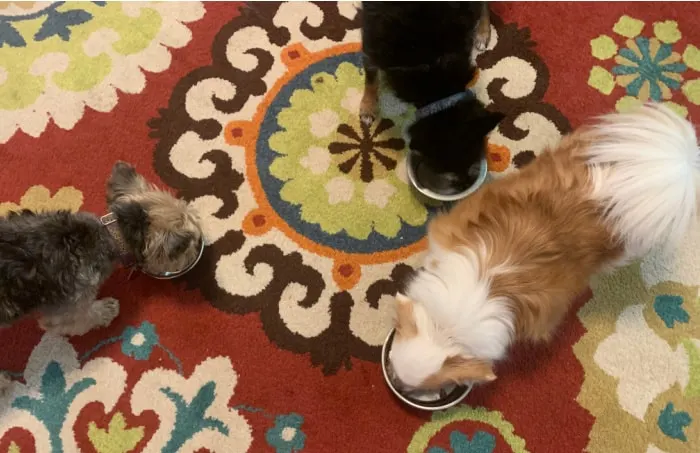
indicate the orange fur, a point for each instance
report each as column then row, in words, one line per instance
column 458, row 370
column 542, row 230
column 405, row 323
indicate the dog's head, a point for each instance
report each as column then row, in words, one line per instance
column 450, row 142
column 162, row 231
column 421, row 359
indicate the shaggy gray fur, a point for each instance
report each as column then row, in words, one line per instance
column 51, row 261
column 54, row 263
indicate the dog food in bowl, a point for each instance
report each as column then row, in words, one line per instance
column 420, row 177
column 176, row 274
column 425, row 400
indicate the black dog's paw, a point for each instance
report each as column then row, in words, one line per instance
column 367, row 118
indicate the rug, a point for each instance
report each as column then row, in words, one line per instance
column 272, row 342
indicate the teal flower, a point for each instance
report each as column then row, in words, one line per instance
column 139, row 342
column 53, row 402
column 649, row 69
column 286, row 436
column 673, row 423
column 482, row 442
column 670, row 309
column 191, row 418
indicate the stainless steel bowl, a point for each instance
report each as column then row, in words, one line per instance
column 444, row 400
column 434, row 197
column 176, row 274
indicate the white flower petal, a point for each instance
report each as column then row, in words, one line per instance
column 340, row 190
column 644, row 363
column 379, row 192
column 351, row 101
column 317, row 160
column 323, row 123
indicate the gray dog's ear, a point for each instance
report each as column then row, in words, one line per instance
column 124, row 181
column 133, row 223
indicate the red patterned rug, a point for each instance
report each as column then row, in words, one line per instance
column 272, row 342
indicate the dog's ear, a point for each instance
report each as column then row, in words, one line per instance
column 133, row 223
column 486, row 123
column 459, row 369
column 405, row 321
column 177, row 242
column 124, row 181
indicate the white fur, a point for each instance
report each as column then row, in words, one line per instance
column 454, row 316
column 645, row 170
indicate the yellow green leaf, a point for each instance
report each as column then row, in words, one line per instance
column 627, row 103
column 629, row 27
column 117, row 438
column 693, row 387
column 667, row 31
column 603, row 47
column 691, row 89
column 691, row 57
column 14, row 448
column 601, row 80
column 679, row 109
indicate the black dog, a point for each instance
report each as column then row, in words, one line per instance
column 425, row 51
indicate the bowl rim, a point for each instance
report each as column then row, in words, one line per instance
column 176, row 274
column 413, row 403
column 483, row 172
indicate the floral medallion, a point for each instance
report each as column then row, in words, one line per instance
column 317, row 156
column 57, row 58
column 491, row 433
column 49, row 398
column 646, row 63
column 309, row 214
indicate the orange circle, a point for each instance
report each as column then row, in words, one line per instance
column 256, row 185
column 240, row 133
column 498, row 158
column 346, row 274
column 257, row 222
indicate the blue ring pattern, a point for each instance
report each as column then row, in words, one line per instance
column 264, row 156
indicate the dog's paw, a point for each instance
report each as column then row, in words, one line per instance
column 481, row 41
column 367, row 118
column 368, row 108
column 104, row 311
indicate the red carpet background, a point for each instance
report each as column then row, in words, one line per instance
column 272, row 342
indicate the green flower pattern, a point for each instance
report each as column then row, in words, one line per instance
column 642, row 363
column 344, row 175
column 647, row 68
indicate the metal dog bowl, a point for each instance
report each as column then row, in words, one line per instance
column 432, row 197
column 436, row 401
column 176, row 274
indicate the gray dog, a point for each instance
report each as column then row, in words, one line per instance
column 54, row 263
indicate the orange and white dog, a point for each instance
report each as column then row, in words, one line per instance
column 504, row 264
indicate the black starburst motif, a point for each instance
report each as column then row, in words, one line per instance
column 366, row 149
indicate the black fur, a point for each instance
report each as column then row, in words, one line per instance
column 49, row 260
column 424, row 49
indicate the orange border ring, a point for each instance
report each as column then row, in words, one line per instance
column 294, row 68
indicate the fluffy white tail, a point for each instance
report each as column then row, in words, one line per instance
column 646, row 171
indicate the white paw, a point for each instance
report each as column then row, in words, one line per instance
column 367, row 118
column 481, row 42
